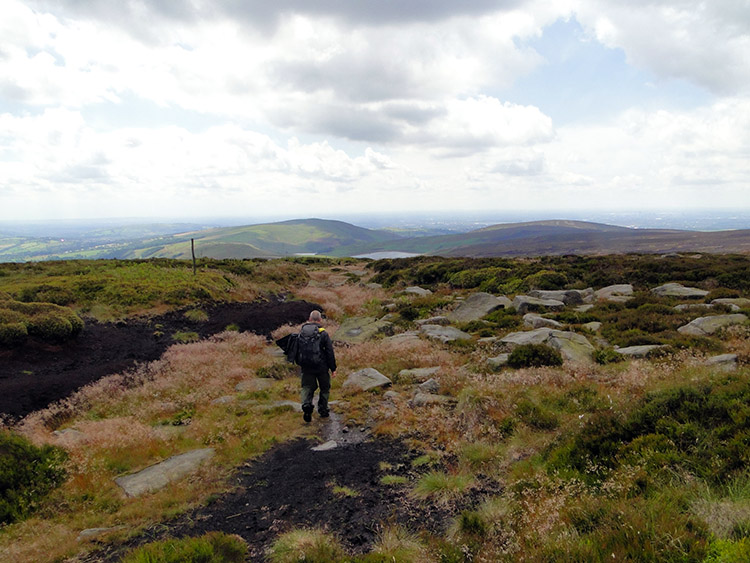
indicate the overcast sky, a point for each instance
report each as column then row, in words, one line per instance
column 115, row 108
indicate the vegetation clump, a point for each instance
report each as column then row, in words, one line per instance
column 213, row 547
column 46, row 321
column 27, row 474
column 534, row 355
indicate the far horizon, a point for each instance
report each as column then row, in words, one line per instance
column 449, row 221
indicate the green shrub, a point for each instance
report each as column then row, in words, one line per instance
column 728, row 551
column 185, row 336
column 534, row 355
column 547, row 279
column 13, row 334
column 213, row 547
column 608, row 356
column 704, row 430
column 51, row 327
column 47, row 294
column 27, row 474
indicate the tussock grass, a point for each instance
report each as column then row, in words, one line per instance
column 308, row 545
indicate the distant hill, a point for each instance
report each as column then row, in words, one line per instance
column 565, row 237
column 337, row 238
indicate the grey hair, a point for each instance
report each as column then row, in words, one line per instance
column 315, row 316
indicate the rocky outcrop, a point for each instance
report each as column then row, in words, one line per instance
column 162, row 474
column 366, row 379
column 525, row 303
column 356, row 330
column 679, row 290
column 439, row 320
column 428, row 399
column 704, row 326
column 477, row 306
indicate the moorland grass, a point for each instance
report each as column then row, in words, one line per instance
column 643, row 459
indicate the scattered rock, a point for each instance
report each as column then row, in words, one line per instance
column 93, row 533
column 225, row 400
column 162, row 474
column 429, row 386
column 355, row 330
column 444, row 333
column 404, row 337
column 525, row 303
column 373, row 285
column 418, row 374
column 618, row 293
column 583, row 308
column 253, row 385
column 391, row 396
column 723, row 362
column 736, row 303
column 418, row 291
column 426, row 399
column 537, row 336
column 704, row 326
column 477, row 306
column 679, row 290
column 593, row 326
column 327, row 446
column 440, row 320
column 639, row 351
column 573, row 347
column 498, row 361
column 693, row 307
column 366, row 379
column 534, row 320
column 295, row 406
column 567, row 296
column 69, row 432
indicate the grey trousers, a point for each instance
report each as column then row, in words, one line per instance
column 311, row 380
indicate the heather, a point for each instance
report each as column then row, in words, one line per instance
column 540, row 459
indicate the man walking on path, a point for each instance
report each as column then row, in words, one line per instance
column 315, row 356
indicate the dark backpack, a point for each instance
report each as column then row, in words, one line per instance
column 309, row 353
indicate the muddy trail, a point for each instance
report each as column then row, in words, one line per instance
column 36, row 375
column 294, row 486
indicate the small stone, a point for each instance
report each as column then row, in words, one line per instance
column 430, row 386
column 329, row 445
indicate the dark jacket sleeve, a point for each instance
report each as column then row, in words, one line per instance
column 328, row 351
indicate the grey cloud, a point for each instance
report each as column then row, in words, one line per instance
column 521, row 167
column 264, row 13
column 352, row 123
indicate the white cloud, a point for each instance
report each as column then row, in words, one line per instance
column 703, row 42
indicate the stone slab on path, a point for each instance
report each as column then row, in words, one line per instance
column 477, row 306
column 162, row 474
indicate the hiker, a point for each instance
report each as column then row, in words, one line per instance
column 315, row 356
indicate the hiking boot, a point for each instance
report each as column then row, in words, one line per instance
column 324, row 414
column 307, row 416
